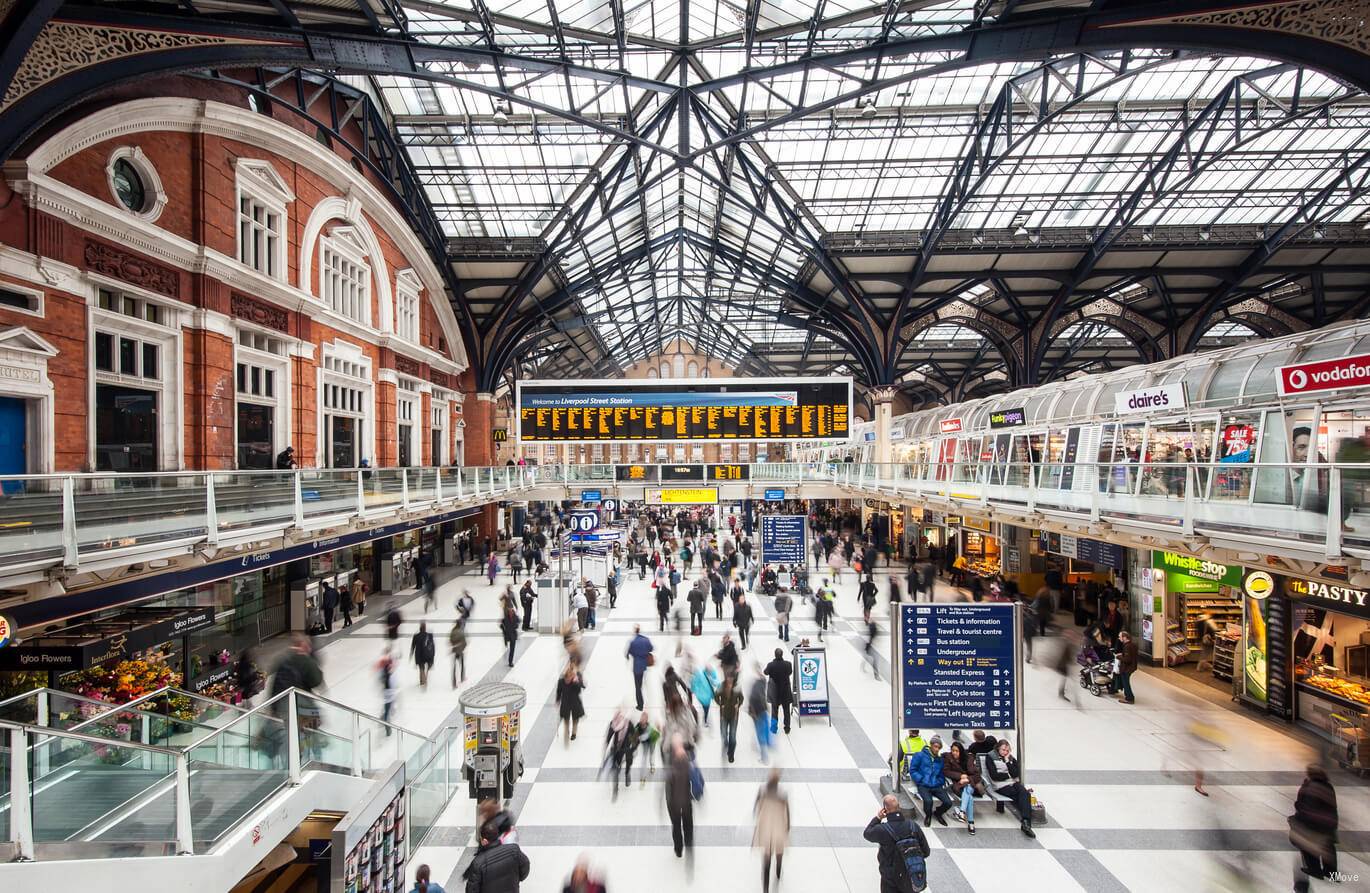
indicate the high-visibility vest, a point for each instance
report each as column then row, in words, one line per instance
column 911, row 746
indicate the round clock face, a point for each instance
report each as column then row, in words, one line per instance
column 128, row 186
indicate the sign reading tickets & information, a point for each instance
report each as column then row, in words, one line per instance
column 959, row 666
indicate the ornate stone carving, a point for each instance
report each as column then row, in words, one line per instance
column 406, row 365
column 259, row 312
column 439, row 378
column 65, row 47
column 1335, row 21
column 111, row 261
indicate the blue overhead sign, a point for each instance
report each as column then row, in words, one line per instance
column 782, row 539
column 775, row 495
column 960, row 666
column 590, row 495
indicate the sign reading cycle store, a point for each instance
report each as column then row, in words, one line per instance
column 1158, row 399
column 1331, row 596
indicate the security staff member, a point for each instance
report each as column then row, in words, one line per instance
column 912, row 743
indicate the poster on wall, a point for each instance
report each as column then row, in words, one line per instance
column 811, row 672
column 1238, row 444
column 1256, row 651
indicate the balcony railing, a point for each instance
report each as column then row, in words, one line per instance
column 75, row 520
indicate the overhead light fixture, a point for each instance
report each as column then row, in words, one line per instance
column 868, row 108
column 1320, row 231
column 1148, row 235
column 1020, row 230
column 1035, row 236
column 501, row 116
column 1206, row 233
column 978, row 238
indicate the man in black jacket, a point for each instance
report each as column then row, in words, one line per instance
column 497, row 867
column 779, row 691
column 424, row 651
column 742, row 618
column 679, row 805
column 888, row 828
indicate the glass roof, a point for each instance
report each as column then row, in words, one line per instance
column 676, row 194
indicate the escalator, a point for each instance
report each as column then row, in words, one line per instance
column 158, row 778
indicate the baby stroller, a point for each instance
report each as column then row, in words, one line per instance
column 1096, row 669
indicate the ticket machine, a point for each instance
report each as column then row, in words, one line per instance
column 492, row 752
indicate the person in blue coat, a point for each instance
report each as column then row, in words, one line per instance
column 704, row 684
column 925, row 771
column 639, row 649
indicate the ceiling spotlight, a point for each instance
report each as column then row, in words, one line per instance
column 501, row 116
column 1320, row 231
column 868, row 108
column 508, row 246
column 1148, row 235
column 1035, row 236
column 978, row 238
column 1020, row 230
column 1205, row 234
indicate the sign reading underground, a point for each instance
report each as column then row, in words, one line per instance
column 959, row 666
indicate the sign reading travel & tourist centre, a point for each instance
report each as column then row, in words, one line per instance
column 684, row 410
column 959, row 666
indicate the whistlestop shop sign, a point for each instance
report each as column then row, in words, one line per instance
column 1326, row 375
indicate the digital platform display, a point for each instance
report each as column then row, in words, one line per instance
column 684, row 410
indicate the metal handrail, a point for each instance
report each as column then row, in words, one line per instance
column 34, row 692
column 48, row 732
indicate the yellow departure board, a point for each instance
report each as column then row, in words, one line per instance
column 662, row 412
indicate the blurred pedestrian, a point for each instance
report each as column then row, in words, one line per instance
column 729, row 709
column 456, row 641
column 779, row 690
column 679, row 802
column 423, row 651
column 569, row 706
column 497, row 867
column 423, row 882
column 1313, row 829
column 772, row 832
column 509, row 628
column 582, row 881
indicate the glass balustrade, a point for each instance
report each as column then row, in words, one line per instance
column 30, row 519
column 108, row 512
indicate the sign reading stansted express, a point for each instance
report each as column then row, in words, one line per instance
column 1325, row 375
column 684, row 410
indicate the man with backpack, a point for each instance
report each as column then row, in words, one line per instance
column 903, row 849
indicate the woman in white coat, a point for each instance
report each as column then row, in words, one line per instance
column 772, row 827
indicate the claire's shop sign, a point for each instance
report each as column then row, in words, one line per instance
column 950, row 426
column 1159, row 398
column 1327, row 375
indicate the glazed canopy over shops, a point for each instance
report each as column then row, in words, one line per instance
column 95, row 642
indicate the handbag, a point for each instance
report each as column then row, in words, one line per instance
column 651, row 659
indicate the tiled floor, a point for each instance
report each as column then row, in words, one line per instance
column 1122, row 815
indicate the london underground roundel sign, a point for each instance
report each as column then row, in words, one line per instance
column 1325, row 375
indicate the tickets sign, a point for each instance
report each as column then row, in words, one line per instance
column 1325, row 375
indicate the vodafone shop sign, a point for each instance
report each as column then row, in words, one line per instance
column 1325, row 375
column 1157, row 399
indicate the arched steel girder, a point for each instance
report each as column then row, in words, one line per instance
column 1032, row 39
column 996, row 139
column 1007, row 352
column 1080, row 341
column 838, row 328
column 1350, row 185
column 1189, row 155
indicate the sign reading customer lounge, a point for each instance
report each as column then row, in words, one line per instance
column 1158, row 399
column 1331, row 596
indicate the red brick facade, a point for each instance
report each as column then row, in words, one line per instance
column 65, row 236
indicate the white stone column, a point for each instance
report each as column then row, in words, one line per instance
column 884, row 414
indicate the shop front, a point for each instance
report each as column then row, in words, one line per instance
column 981, row 548
column 115, row 657
column 1330, row 647
column 1198, row 605
column 1086, row 570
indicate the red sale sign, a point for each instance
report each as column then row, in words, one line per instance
column 1325, row 375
